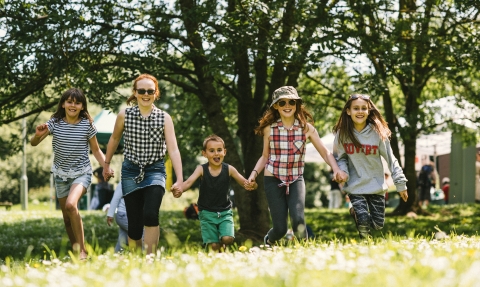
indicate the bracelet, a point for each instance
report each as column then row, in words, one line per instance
column 107, row 162
column 255, row 172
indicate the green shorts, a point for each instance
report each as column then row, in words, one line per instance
column 215, row 225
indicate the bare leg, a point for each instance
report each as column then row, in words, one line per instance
column 225, row 241
column 66, row 221
column 215, row 246
column 222, row 245
column 152, row 235
column 75, row 225
column 134, row 245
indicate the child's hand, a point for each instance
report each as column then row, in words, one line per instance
column 404, row 195
column 41, row 130
column 340, row 176
column 108, row 172
column 248, row 185
column 109, row 220
column 176, row 190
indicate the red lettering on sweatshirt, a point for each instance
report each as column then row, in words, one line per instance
column 366, row 149
column 349, row 148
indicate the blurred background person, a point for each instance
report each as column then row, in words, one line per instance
column 446, row 188
column 426, row 180
column 118, row 204
column 335, row 198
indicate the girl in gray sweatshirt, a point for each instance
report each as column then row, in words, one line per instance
column 361, row 138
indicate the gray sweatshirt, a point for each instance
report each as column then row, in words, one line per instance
column 364, row 165
column 117, row 203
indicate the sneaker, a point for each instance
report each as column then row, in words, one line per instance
column 266, row 242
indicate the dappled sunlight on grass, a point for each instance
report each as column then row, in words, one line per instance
column 385, row 262
column 36, row 252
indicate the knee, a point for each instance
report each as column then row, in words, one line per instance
column 227, row 240
column 71, row 207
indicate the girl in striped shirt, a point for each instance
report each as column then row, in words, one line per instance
column 73, row 132
column 285, row 128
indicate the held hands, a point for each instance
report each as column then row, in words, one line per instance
column 340, row 176
column 404, row 195
column 176, row 190
column 250, row 185
column 107, row 172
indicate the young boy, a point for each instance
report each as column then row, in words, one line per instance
column 215, row 208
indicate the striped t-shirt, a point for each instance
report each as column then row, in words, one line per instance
column 70, row 147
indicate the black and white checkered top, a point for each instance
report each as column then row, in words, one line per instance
column 144, row 137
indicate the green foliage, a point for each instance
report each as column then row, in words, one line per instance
column 38, row 160
column 316, row 183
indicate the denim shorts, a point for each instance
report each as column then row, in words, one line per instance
column 62, row 187
column 215, row 225
column 154, row 175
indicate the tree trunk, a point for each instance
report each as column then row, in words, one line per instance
column 252, row 206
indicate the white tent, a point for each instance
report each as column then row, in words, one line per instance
column 312, row 155
column 434, row 144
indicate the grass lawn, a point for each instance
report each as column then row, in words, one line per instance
column 34, row 252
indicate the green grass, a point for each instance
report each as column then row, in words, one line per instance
column 34, row 252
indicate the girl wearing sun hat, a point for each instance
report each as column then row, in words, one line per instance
column 285, row 128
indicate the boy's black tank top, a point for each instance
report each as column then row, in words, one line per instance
column 214, row 190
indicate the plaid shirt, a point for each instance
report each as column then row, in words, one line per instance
column 144, row 138
column 287, row 152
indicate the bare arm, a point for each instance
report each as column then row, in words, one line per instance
column 233, row 172
column 41, row 132
column 198, row 172
column 96, row 151
column 113, row 143
column 312, row 134
column 173, row 151
column 264, row 158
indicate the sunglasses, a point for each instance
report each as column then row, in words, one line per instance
column 283, row 103
column 143, row 91
column 361, row 96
